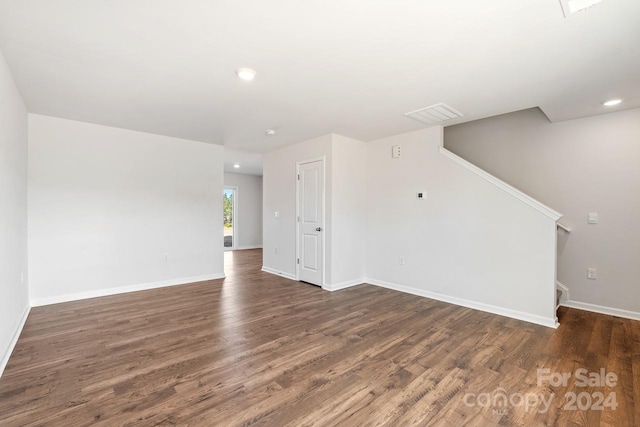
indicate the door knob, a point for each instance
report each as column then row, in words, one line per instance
column 318, row 228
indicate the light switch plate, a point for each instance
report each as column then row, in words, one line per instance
column 593, row 218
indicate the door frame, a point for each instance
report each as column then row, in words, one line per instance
column 323, row 159
column 234, row 238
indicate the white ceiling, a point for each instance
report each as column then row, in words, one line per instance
column 250, row 162
column 350, row 67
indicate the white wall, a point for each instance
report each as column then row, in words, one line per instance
column 279, row 195
column 578, row 166
column 474, row 241
column 248, row 229
column 107, row 204
column 344, row 230
column 348, row 214
column 469, row 242
column 14, row 297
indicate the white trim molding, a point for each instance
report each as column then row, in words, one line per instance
column 244, row 248
column 595, row 308
column 343, row 285
column 14, row 340
column 279, row 273
column 544, row 209
column 37, row 302
column 550, row 322
column 566, row 296
column 618, row 312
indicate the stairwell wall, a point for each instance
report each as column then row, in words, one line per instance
column 578, row 166
column 468, row 242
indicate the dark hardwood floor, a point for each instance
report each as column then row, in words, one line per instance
column 257, row 349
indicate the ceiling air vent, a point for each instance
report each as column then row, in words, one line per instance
column 434, row 114
column 569, row 7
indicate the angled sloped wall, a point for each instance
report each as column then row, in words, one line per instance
column 473, row 241
column 577, row 166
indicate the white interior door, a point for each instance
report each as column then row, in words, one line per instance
column 310, row 219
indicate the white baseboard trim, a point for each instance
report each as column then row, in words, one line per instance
column 37, row 302
column 244, row 248
column 279, row 273
column 14, row 340
column 514, row 314
column 343, row 285
column 626, row 314
column 566, row 296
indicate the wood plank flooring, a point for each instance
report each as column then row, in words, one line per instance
column 257, row 349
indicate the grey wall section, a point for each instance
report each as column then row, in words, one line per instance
column 249, row 205
column 576, row 167
column 14, row 295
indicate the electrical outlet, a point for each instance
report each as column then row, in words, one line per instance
column 395, row 152
column 592, row 273
column 166, row 257
column 401, row 260
column 275, row 251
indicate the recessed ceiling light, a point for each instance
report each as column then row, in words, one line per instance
column 246, row 73
column 612, row 102
column 270, row 132
column 236, row 166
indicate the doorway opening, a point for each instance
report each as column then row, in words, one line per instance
column 229, row 206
